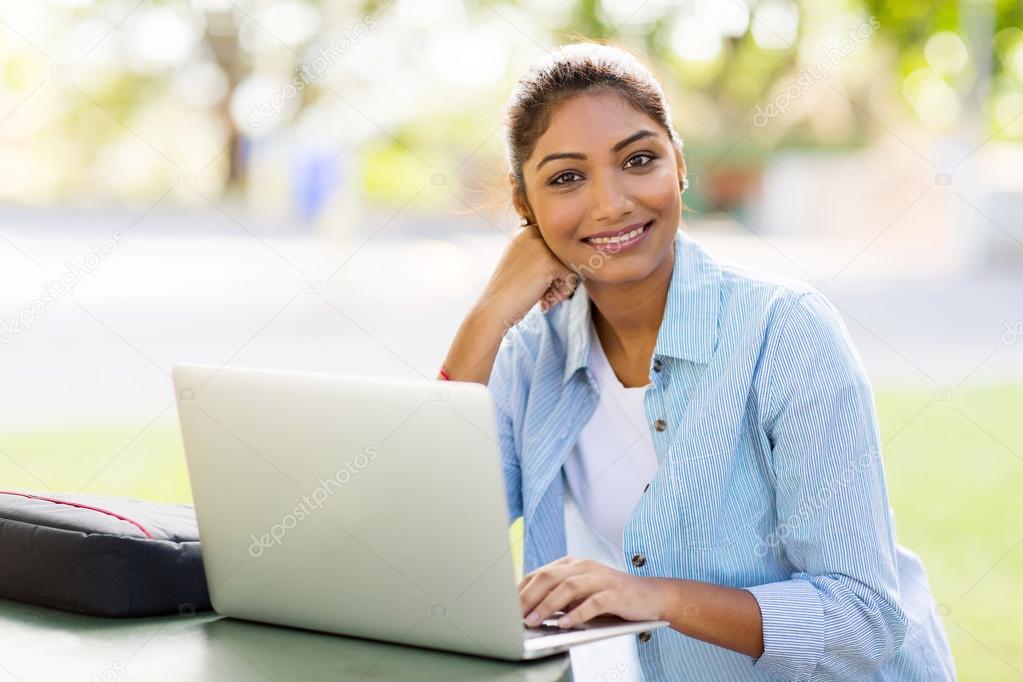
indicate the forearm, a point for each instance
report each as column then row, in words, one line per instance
column 527, row 274
column 471, row 355
column 724, row 616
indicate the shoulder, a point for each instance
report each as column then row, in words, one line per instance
column 795, row 328
column 756, row 290
column 806, row 351
column 522, row 345
column 790, row 311
column 755, row 304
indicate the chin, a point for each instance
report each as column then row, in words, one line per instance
column 623, row 275
column 627, row 270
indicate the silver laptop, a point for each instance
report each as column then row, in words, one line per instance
column 360, row 506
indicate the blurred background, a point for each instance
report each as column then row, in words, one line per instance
column 320, row 186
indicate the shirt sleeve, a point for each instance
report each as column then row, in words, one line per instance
column 838, row 616
column 501, row 385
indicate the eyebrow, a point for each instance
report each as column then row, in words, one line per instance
column 582, row 157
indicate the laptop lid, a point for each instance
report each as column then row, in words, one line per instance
column 355, row 505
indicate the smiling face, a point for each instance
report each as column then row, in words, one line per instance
column 602, row 185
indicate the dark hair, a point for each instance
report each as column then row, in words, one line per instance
column 569, row 71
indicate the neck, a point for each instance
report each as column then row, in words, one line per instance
column 628, row 316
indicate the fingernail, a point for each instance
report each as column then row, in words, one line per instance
column 533, row 619
column 565, row 622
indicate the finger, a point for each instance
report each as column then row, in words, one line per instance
column 534, row 587
column 549, row 300
column 564, row 284
column 562, row 588
column 571, row 281
column 598, row 603
column 532, row 574
column 532, row 580
column 574, row 588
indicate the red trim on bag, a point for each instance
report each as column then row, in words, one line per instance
column 84, row 506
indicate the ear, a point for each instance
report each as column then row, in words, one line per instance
column 519, row 201
column 680, row 160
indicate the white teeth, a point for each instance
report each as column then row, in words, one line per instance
column 619, row 239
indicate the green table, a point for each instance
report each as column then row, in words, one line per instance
column 44, row 644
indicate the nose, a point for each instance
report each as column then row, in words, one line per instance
column 610, row 199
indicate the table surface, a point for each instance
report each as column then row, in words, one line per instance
column 44, row 644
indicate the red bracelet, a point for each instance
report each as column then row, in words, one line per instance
column 444, row 374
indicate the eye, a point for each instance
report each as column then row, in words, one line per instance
column 640, row 155
column 557, row 179
column 564, row 178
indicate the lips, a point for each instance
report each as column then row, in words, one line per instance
column 621, row 236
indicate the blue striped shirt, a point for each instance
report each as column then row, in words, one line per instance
column 769, row 475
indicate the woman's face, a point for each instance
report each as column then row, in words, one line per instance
column 602, row 185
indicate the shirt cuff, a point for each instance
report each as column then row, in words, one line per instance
column 793, row 622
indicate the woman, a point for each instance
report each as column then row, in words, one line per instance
column 685, row 441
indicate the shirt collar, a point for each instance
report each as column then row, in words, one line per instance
column 689, row 328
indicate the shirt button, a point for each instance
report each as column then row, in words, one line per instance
column 657, row 365
column 660, row 425
column 644, row 636
column 638, row 560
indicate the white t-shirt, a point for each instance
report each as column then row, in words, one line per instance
column 605, row 474
column 614, row 458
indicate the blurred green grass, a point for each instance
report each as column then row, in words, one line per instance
column 954, row 472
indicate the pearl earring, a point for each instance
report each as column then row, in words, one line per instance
column 685, row 184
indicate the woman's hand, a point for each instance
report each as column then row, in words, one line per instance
column 585, row 589
column 528, row 273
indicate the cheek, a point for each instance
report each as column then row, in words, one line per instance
column 659, row 191
column 560, row 216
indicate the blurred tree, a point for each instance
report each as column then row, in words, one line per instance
column 221, row 36
column 719, row 61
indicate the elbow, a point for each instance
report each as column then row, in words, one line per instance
column 888, row 635
column 873, row 637
column 865, row 628
column 828, row 627
column 896, row 625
